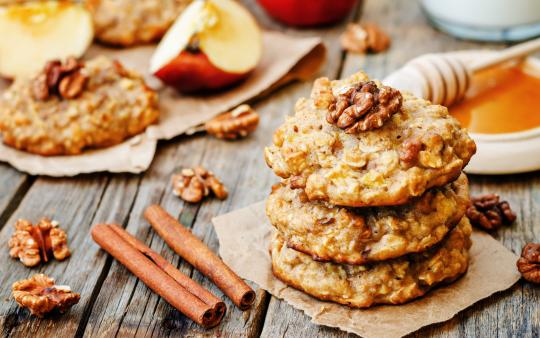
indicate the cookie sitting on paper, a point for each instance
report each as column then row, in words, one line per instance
column 492, row 268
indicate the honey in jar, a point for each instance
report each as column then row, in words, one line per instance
column 501, row 100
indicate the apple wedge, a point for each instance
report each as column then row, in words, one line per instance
column 36, row 32
column 213, row 44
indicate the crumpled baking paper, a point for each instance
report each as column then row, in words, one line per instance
column 284, row 59
column 244, row 239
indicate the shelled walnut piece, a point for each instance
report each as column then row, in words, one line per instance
column 363, row 107
column 66, row 80
column 529, row 262
column 33, row 244
column 192, row 185
column 40, row 295
column 235, row 124
column 489, row 213
column 360, row 38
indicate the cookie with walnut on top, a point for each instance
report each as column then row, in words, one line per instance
column 73, row 105
column 357, row 143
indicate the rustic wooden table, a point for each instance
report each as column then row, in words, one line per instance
column 114, row 302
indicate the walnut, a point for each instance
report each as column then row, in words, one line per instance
column 529, row 262
column 359, row 38
column 34, row 244
column 192, row 185
column 40, row 295
column 23, row 245
column 40, row 88
column 235, row 124
column 409, row 151
column 72, row 85
column 364, row 107
column 65, row 80
column 489, row 213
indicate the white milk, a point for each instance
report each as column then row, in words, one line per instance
column 486, row 19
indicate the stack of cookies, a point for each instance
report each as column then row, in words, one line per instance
column 371, row 208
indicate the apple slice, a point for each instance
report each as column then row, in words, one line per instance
column 211, row 45
column 36, row 32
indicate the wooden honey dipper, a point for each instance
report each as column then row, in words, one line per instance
column 445, row 78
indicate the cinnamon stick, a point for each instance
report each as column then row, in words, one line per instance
column 189, row 284
column 193, row 250
column 176, row 288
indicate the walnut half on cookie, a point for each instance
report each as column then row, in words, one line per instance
column 41, row 296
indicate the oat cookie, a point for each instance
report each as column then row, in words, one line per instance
column 95, row 104
column 361, row 235
column 418, row 147
column 128, row 22
column 390, row 282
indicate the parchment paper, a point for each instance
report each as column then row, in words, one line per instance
column 133, row 155
column 284, row 59
column 244, row 237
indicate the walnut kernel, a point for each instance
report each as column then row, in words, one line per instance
column 360, row 38
column 72, row 85
column 363, row 107
column 64, row 80
column 22, row 244
column 529, row 262
column 410, row 150
column 235, row 124
column 489, row 213
column 36, row 244
column 40, row 295
column 192, row 185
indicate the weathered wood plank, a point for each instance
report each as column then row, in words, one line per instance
column 116, row 305
column 75, row 203
column 13, row 186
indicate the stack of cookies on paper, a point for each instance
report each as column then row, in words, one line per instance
column 372, row 202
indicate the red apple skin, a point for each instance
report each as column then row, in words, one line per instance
column 194, row 73
column 308, row 12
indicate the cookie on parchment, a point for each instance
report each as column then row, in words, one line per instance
column 75, row 105
column 390, row 282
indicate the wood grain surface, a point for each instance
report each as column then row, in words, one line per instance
column 115, row 303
